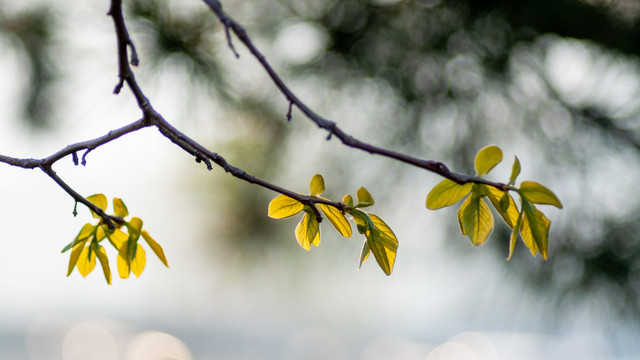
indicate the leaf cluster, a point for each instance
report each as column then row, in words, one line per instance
column 379, row 238
column 87, row 246
column 474, row 215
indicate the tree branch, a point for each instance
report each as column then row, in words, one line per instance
column 45, row 164
column 330, row 126
column 152, row 118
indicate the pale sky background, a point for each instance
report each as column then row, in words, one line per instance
column 436, row 305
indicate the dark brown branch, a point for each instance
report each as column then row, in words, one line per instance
column 108, row 219
column 199, row 152
column 45, row 164
column 330, row 126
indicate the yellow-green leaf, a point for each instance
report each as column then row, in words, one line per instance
column 364, row 253
column 386, row 230
column 119, row 208
column 283, row 206
column 477, row 220
column 134, row 226
column 364, row 198
column 101, row 233
column 117, row 238
column 514, row 236
column 504, row 204
column 538, row 194
column 307, row 232
column 104, row 262
column 86, row 261
column 138, row 262
column 382, row 242
column 535, row 228
column 75, row 254
column 316, row 186
column 362, row 220
column 347, row 200
column 84, row 234
column 383, row 247
column 157, row 249
column 464, row 205
column 337, row 219
column 515, row 171
column 486, row 159
column 100, row 201
column 447, row 193
column 123, row 265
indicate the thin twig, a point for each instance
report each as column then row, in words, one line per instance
column 330, row 126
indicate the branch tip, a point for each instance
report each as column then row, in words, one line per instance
column 201, row 158
column 288, row 116
column 227, row 25
column 84, row 156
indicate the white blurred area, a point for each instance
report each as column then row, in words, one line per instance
column 436, row 305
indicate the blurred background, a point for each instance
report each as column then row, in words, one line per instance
column 556, row 83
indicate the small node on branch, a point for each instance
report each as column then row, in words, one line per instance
column 84, row 157
column 289, row 111
column 75, row 158
column 75, row 208
column 442, row 167
column 200, row 158
column 329, row 136
column 119, row 86
column 135, row 61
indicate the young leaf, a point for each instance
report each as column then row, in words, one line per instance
column 100, row 201
column 104, row 261
column 75, row 254
column 337, row 219
column 447, row 193
column 362, row 220
column 138, row 262
column 123, row 264
column 486, row 159
column 514, row 236
column 364, row 198
column 348, row 200
column 538, row 194
column 101, row 232
column 477, row 220
column 535, row 226
column 386, row 230
column 515, row 171
column 364, row 253
column 504, row 204
column 85, row 233
column 307, row 232
column 119, row 208
column 382, row 243
column 86, row 261
column 283, row 206
column 117, row 238
column 157, row 249
column 134, row 226
column 316, row 186
column 464, row 205
column 383, row 248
